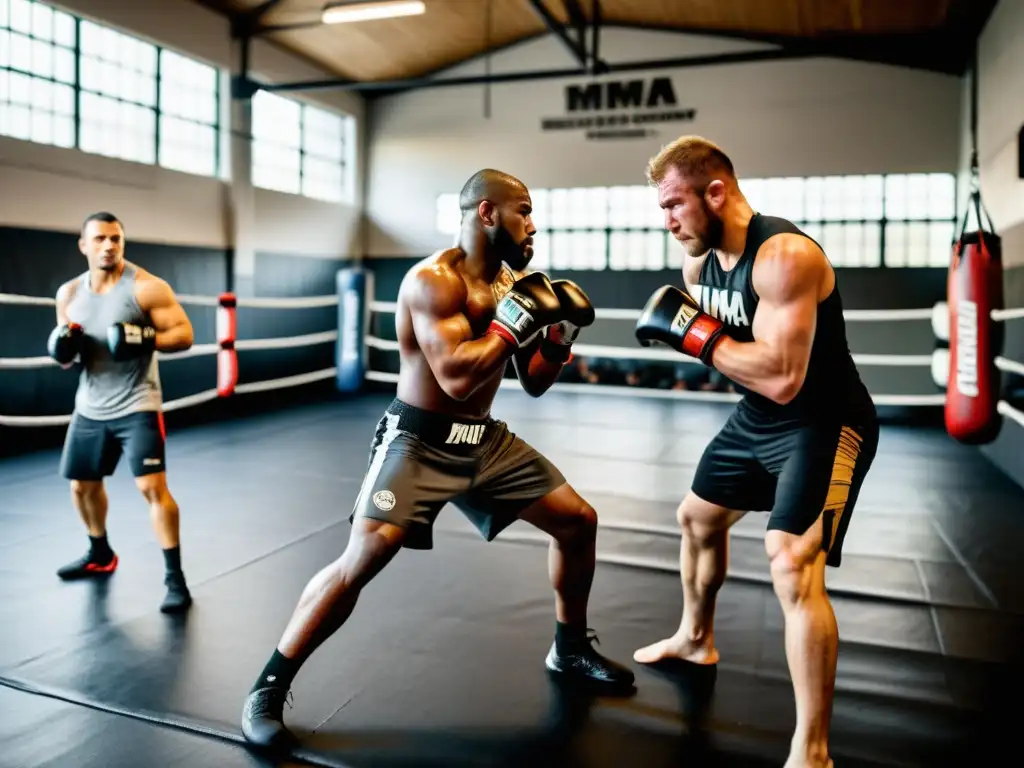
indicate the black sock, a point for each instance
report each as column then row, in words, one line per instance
column 569, row 636
column 99, row 550
column 279, row 672
column 172, row 558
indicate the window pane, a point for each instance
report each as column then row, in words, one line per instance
column 541, row 252
column 540, row 216
column 895, row 244
column 835, row 243
column 64, row 131
column 814, row 198
column 674, row 252
column 917, row 244
column 940, row 246
column 91, row 38
column 42, row 127
column 21, row 88
column 654, row 250
column 64, row 65
column 559, row 209
column 560, row 250
column 637, row 245
column 42, row 94
column 42, row 59
column 21, row 16
column 588, row 250
column 5, row 47
column 618, row 206
column 834, row 198
column 872, row 245
column 896, row 196
column 42, row 22
column 21, row 52
column 63, row 29
column 618, row 250
column 4, row 16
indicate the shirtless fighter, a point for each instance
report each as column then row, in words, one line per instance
column 111, row 320
column 462, row 314
column 761, row 305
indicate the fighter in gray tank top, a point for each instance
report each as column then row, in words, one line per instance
column 109, row 389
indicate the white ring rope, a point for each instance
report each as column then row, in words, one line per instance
column 858, row 315
column 591, row 350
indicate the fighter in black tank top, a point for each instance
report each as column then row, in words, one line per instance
column 832, row 385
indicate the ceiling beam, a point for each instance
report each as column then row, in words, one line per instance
column 579, row 21
column 379, row 86
column 577, row 49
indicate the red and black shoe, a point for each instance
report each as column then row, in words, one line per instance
column 88, row 567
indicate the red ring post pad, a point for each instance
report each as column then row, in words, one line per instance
column 354, row 287
column 974, row 289
column 227, row 356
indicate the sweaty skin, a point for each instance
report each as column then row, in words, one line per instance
column 448, row 362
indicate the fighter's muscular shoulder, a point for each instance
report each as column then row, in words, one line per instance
column 64, row 296
column 790, row 264
column 435, row 288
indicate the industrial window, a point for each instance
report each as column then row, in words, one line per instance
column 74, row 83
column 860, row 221
column 118, row 96
column 297, row 148
column 37, row 73
column 188, row 115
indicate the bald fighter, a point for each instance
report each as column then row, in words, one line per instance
column 111, row 320
column 462, row 314
column 761, row 305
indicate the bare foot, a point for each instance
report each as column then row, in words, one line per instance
column 676, row 648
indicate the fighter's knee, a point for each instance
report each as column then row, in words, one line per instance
column 792, row 567
column 578, row 524
column 86, row 488
column 695, row 524
column 154, row 489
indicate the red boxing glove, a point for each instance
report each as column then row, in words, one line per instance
column 674, row 318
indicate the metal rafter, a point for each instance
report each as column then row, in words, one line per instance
column 577, row 49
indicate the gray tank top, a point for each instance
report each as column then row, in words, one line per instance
column 108, row 389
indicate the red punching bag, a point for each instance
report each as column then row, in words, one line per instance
column 974, row 289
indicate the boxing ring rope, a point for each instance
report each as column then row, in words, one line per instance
column 197, row 350
column 368, row 305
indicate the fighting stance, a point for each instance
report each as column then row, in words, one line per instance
column 111, row 320
column 761, row 306
column 462, row 314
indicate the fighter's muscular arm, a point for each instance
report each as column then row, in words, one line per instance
column 173, row 328
column 788, row 279
column 436, row 300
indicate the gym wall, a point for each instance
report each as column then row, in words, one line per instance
column 1000, row 122
column 795, row 118
column 180, row 226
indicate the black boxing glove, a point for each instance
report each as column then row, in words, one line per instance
column 556, row 345
column 128, row 340
column 674, row 318
column 529, row 306
column 65, row 343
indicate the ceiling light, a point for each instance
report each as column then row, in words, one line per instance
column 341, row 13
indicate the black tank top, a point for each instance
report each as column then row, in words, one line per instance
column 833, row 385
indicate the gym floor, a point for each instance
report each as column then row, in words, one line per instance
column 442, row 662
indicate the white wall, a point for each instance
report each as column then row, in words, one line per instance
column 1000, row 117
column 159, row 205
column 775, row 118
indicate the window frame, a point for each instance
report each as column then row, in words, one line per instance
column 78, row 90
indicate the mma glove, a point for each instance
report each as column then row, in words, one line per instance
column 529, row 306
column 557, row 343
column 128, row 340
column 674, row 318
column 65, row 343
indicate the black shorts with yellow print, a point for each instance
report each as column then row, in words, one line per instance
column 798, row 469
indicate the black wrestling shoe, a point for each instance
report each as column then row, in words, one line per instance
column 263, row 716
column 579, row 663
column 87, row 567
column 178, row 597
